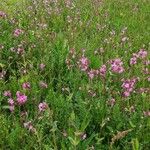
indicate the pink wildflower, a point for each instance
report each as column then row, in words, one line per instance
column 83, row 63
column 142, row 53
column 29, row 126
column 146, row 113
column 103, row 70
column 21, row 98
column 26, row 85
column 42, row 106
column 128, row 86
column 11, row 104
column 133, row 60
column 42, row 66
column 91, row 74
column 20, row 50
column 126, row 93
column 7, row 93
column 17, row 32
column 116, row 66
column 2, row 14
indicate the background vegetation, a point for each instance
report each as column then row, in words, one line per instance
column 52, row 51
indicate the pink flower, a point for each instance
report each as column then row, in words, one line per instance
column 2, row 14
column 26, row 85
column 20, row 50
column 83, row 63
column 103, row 70
column 128, row 86
column 21, row 98
column 133, row 60
column 43, row 84
column 11, row 101
column 29, row 126
column 7, row 93
column 42, row 106
column 11, row 104
column 146, row 113
column 126, row 93
column 116, row 66
column 147, row 62
column 91, row 74
column 42, row 66
column 142, row 53
column 17, row 32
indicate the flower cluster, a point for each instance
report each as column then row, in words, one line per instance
column 42, row 66
column 117, row 65
column 141, row 54
column 26, row 85
column 2, row 14
column 19, row 49
column 146, row 113
column 7, row 93
column 17, row 32
column 43, row 106
column 21, row 98
column 92, row 73
column 83, row 63
column 29, row 126
column 11, row 104
column 102, row 71
column 128, row 86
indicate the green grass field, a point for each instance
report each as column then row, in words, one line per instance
column 74, row 75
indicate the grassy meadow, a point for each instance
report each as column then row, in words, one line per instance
column 74, row 75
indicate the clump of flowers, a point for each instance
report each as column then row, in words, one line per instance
column 28, row 125
column 42, row 106
column 11, row 104
column 92, row 73
column 42, row 66
column 26, row 85
column 83, row 63
column 20, row 50
column 128, row 86
column 7, row 93
column 117, row 65
column 133, row 60
column 142, row 53
column 17, row 32
column 70, row 58
column 21, row 98
column 146, row 113
column 102, row 71
column 2, row 14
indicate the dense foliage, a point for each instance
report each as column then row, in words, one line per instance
column 75, row 74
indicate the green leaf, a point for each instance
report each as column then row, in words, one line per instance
column 135, row 144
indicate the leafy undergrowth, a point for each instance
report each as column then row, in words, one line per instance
column 75, row 75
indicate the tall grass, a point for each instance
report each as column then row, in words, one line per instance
column 74, row 75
